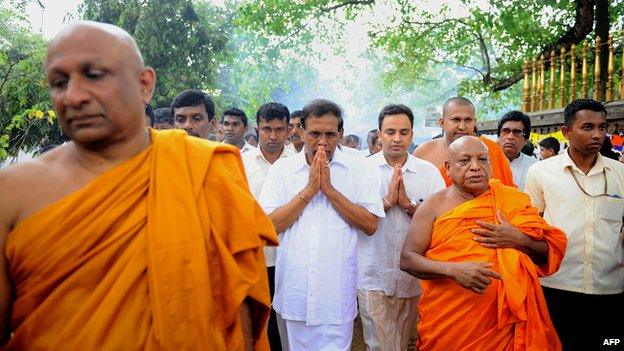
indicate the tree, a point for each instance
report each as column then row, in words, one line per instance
column 486, row 45
column 183, row 45
column 26, row 118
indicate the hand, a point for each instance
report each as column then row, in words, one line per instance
column 473, row 275
column 326, row 185
column 404, row 201
column 499, row 235
column 314, row 178
column 393, row 188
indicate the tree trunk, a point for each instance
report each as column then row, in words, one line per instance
column 602, row 30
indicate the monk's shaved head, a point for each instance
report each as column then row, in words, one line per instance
column 466, row 143
column 456, row 101
column 103, row 34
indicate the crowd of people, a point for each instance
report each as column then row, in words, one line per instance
column 129, row 237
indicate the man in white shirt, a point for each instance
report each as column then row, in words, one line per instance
column 234, row 126
column 371, row 137
column 272, row 127
column 387, row 296
column 581, row 192
column 296, row 131
column 514, row 129
column 318, row 200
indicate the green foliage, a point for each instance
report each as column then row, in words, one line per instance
column 183, row 44
column 24, row 99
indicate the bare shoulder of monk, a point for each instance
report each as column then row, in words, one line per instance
column 433, row 151
column 32, row 185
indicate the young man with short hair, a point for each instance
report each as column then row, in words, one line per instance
column 194, row 111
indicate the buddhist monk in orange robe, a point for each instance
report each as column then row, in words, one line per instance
column 479, row 248
column 126, row 238
column 458, row 120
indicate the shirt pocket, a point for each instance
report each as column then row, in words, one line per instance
column 613, row 209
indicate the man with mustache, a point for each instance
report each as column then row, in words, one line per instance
column 194, row 111
column 296, row 130
column 581, row 192
column 272, row 128
column 478, row 248
column 514, row 129
column 234, row 126
column 318, row 200
column 458, row 120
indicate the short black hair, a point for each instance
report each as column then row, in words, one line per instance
column 194, row 97
column 320, row 107
column 297, row 114
column 528, row 148
column 578, row 105
column 233, row 111
column 149, row 113
column 162, row 115
column 516, row 116
column 551, row 143
column 273, row 110
column 355, row 138
column 249, row 135
column 396, row 109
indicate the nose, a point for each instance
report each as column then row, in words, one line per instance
column 273, row 135
column 323, row 140
column 474, row 164
column 187, row 125
column 75, row 94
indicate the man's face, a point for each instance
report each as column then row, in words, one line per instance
column 321, row 131
column 296, row 129
column 99, row 87
column 587, row 133
column 233, row 130
column 370, row 140
column 469, row 167
column 194, row 120
column 546, row 153
column 458, row 121
column 511, row 138
column 162, row 126
column 395, row 135
column 272, row 135
column 349, row 142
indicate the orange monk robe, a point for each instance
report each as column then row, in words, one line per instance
column 156, row 254
column 500, row 164
column 512, row 313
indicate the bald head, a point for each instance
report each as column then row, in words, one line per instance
column 467, row 143
column 101, row 34
column 456, row 101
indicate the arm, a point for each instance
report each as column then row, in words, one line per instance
column 247, row 326
column 355, row 215
column 283, row 217
column 470, row 275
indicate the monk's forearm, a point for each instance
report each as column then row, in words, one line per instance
column 424, row 268
column 537, row 250
column 355, row 215
column 283, row 217
column 247, row 325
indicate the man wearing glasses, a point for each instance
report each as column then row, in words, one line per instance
column 580, row 191
column 513, row 132
column 272, row 121
column 318, row 200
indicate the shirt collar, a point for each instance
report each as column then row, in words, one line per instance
column 339, row 158
column 566, row 161
column 380, row 160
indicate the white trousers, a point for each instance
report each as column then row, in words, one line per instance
column 326, row 337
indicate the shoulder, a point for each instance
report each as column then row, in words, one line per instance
column 547, row 165
column 427, row 145
column 616, row 166
column 423, row 164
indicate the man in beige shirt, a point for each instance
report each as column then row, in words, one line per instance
column 581, row 192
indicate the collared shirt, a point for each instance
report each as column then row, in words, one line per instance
column 519, row 167
column 256, row 169
column 351, row 151
column 246, row 147
column 594, row 258
column 292, row 148
column 379, row 254
column 315, row 274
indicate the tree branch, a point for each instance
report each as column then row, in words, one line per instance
column 348, row 3
column 583, row 25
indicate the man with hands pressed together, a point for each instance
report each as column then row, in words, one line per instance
column 387, row 296
column 479, row 247
column 318, row 200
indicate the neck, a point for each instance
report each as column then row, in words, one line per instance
column 271, row 157
column 298, row 146
column 513, row 157
column 582, row 161
column 393, row 161
column 98, row 160
column 463, row 193
column 239, row 144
